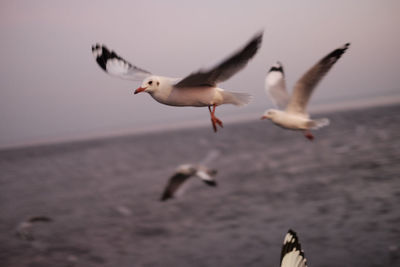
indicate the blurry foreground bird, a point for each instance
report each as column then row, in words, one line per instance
column 291, row 254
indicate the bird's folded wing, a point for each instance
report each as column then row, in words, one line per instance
column 224, row 70
column 173, row 185
column 275, row 86
column 306, row 84
column 291, row 254
column 115, row 65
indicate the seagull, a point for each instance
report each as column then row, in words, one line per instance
column 24, row 229
column 184, row 172
column 292, row 113
column 198, row 89
column 291, row 254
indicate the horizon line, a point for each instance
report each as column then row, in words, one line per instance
column 250, row 116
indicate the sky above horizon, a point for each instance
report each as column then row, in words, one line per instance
column 51, row 87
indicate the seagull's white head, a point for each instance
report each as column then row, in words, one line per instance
column 269, row 114
column 149, row 85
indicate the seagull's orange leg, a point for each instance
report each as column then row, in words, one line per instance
column 308, row 135
column 214, row 120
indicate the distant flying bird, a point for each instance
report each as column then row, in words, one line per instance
column 183, row 173
column 291, row 254
column 293, row 114
column 199, row 89
column 24, row 229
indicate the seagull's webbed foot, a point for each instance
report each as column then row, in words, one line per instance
column 309, row 135
column 214, row 119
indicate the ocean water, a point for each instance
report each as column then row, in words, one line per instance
column 340, row 193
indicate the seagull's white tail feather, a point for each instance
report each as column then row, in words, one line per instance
column 237, row 99
column 318, row 123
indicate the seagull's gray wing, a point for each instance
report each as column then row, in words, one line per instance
column 224, row 70
column 306, row 84
column 291, row 254
column 115, row 65
column 173, row 185
column 275, row 86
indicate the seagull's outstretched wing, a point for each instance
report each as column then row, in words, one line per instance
column 275, row 86
column 224, row 70
column 305, row 86
column 173, row 185
column 292, row 255
column 115, row 65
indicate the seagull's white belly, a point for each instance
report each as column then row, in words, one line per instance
column 291, row 121
column 196, row 97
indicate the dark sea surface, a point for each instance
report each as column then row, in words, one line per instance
column 340, row 193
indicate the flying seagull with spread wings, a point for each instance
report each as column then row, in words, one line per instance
column 291, row 254
column 293, row 114
column 198, row 89
column 183, row 173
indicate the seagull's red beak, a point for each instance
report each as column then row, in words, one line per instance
column 263, row 118
column 140, row 89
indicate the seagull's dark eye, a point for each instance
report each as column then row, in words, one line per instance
column 150, row 82
column 158, row 83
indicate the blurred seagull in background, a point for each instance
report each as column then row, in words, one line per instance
column 24, row 229
column 199, row 89
column 293, row 114
column 183, row 173
column 291, row 254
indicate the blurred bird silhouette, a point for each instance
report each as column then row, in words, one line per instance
column 186, row 171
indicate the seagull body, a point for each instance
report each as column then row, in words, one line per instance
column 291, row 121
column 183, row 173
column 198, row 89
column 291, row 254
column 190, row 96
column 292, row 114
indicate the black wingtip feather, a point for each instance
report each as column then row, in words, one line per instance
column 337, row 53
column 166, row 196
column 211, row 183
column 291, row 245
column 277, row 67
column 253, row 45
column 258, row 37
column 104, row 56
column 256, row 41
column 96, row 46
column 163, row 199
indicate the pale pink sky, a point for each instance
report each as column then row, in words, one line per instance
column 50, row 86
